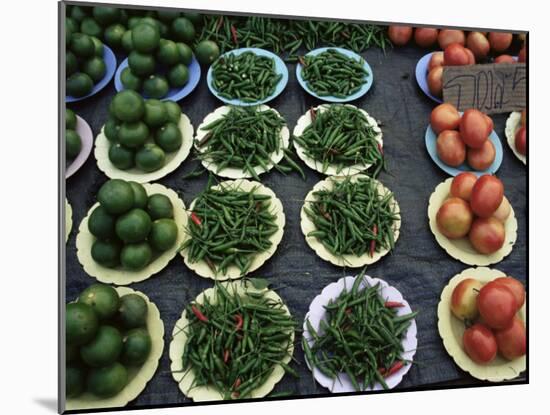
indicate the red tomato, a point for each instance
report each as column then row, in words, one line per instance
column 487, row 235
column 487, row 195
column 500, row 41
column 450, row 148
column 481, row 158
column 522, row 55
column 515, row 286
column 504, row 59
column 436, row 60
column 400, row 35
column 479, row 343
column 474, row 128
column 497, row 305
column 435, row 81
column 425, row 36
column 478, row 44
column 448, row 36
column 512, row 341
column 444, row 117
column 455, row 55
column 462, row 185
column 521, row 140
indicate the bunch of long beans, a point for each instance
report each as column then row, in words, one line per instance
column 229, row 226
column 243, row 138
column 353, row 218
column 235, row 341
column 288, row 36
column 333, row 73
column 360, row 336
column 341, row 136
column 247, row 76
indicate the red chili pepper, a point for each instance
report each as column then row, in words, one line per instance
column 394, row 368
column 220, row 22
column 373, row 242
column 380, row 149
column 226, row 356
column 210, row 264
column 348, row 310
column 345, row 34
column 302, row 61
column 325, row 214
column 234, row 35
column 239, row 320
column 258, row 207
column 393, row 304
column 237, row 384
column 196, row 219
column 199, row 314
column 312, row 114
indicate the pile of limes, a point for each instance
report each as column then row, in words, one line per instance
column 105, row 335
column 73, row 142
column 131, row 226
column 84, row 63
column 156, row 64
column 142, row 131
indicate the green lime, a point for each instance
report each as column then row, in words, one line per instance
column 106, row 253
column 183, row 30
column 95, row 68
column 111, row 128
column 145, row 37
column 101, row 224
column 79, row 84
column 150, row 157
column 89, row 27
column 73, row 144
column 126, row 41
column 178, row 75
column 185, row 54
column 140, row 195
column 102, row 298
column 81, row 323
column 150, row 21
column 164, row 233
column 133, row 226
column 164, row 29
column 167, row 53
column 159, row 206
column 78, row 13
column 74, row 381
column 121, row 157
column 113, row 35
column 70, row 119
column 129, row 80
column 142, row 64
column 133, row 134
column 196, row 18
column 104, row 349
column 173, row 110
column 71, row 64
column 133, row 22
column 168, row 137
column 132, row 311
column 106, row 15
column 98, row 46
column 156, row 86
column 207, row 52
column 116, row 196
column 71, row 24
column 155, row 113
column 136, row 256
column 136, row 348
column 128, row 106
column 82, row 45
column 167, row 15
column 105, row 382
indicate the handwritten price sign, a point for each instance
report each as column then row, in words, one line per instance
column 491, row 88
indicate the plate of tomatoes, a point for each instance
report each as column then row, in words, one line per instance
column 482, row 321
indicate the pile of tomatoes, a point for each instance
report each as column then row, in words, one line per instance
column 476, row 208
column 521, row 135
column 464, row 137
column 490, row 312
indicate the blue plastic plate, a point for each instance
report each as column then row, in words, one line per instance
column 280, row 68
column 364, row 89
column 422, row 76
column 431, row 139
column 174, row 94
column 110, row 63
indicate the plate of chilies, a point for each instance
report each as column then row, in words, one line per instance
column 357, row 315
column 354, row 73
column 247, row 76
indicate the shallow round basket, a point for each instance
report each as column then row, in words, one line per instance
column 179, row 339
column 513, row 123
column 451, row 330
column 138, row 377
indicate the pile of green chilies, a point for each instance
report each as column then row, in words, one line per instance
column 229, row 226
column 247, row 76
column 333, row 73
column 360, row 336
column 340, row 135
column 243, row 138
column 235, row 341
column 353, row 218
column 288, row 36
